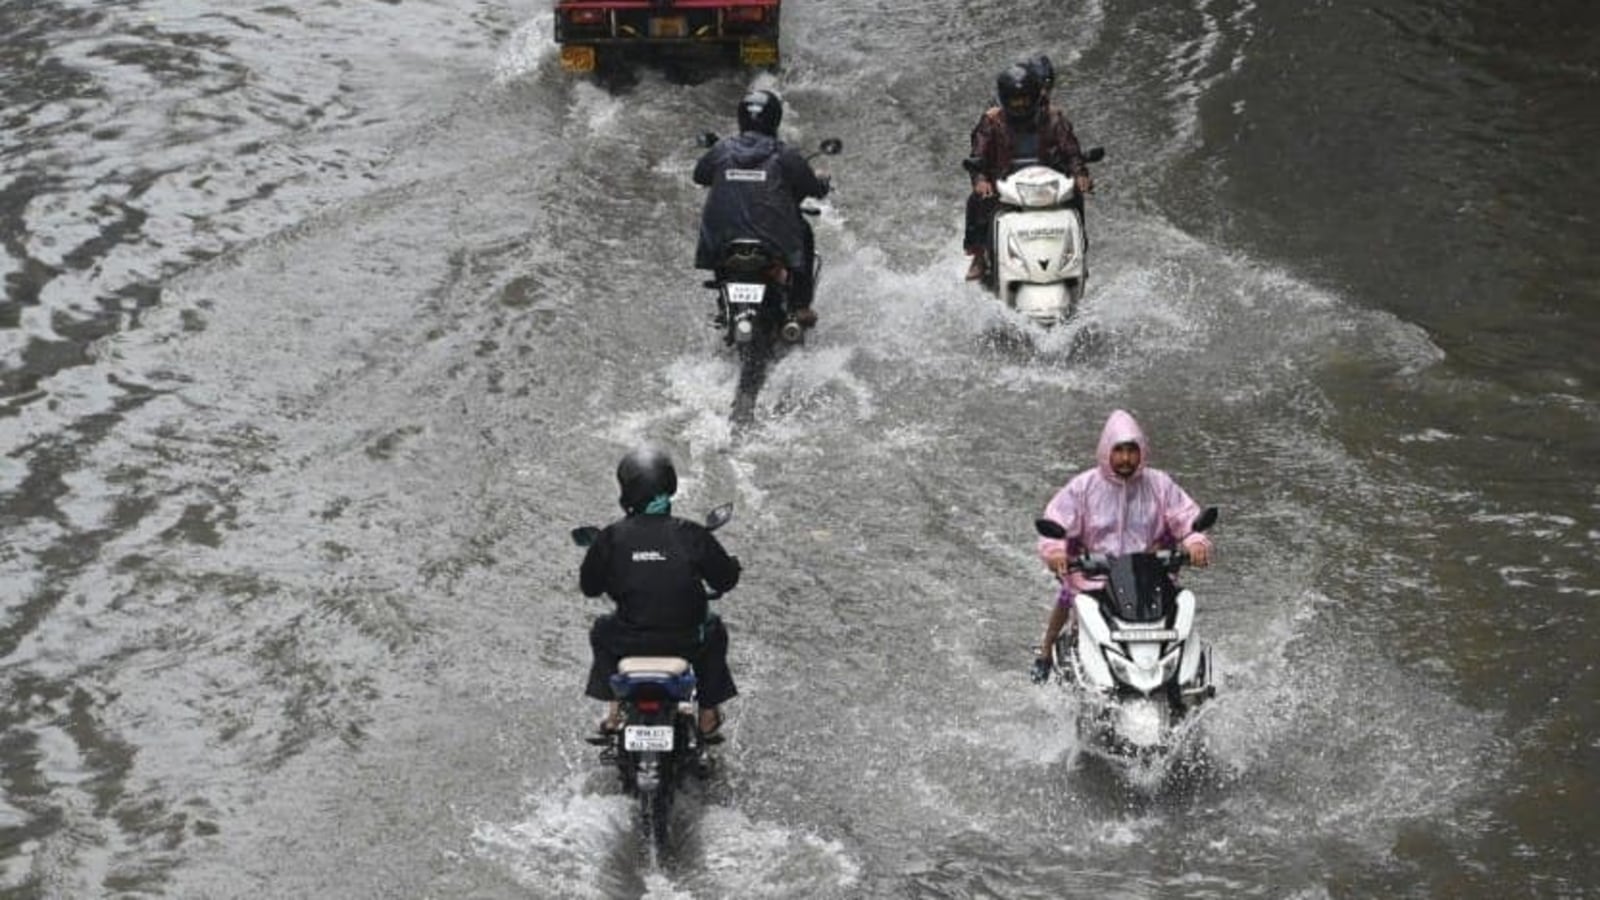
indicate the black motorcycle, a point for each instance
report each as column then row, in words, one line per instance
column 752, row 284
column 659, row 742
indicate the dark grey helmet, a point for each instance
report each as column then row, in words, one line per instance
column 1018, row 89
column 643, row 475
column 761, row 111
column 1043, row 68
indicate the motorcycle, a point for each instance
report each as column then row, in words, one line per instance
column 1135, row 659
column 659, row 743
column 751, row 281
column 1038, row 254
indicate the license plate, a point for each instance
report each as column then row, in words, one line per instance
column 669, row 27
column 1151, row 636
column 647, row 737
column 577, row 58
column 746, row 294
column 758, row 53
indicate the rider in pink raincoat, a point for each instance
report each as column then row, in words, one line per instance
column 1119, row 506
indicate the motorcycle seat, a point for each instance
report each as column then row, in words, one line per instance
column 652, row 665
column 746, row 255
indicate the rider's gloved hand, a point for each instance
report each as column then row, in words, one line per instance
column 1040, row 671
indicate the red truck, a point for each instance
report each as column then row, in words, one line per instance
column 596, row 33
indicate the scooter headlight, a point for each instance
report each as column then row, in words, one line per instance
column 1037, row 193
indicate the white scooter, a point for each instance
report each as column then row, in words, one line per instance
column 1038, row 260
column 1136, row 660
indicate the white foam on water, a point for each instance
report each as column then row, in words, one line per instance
column 526, row 50
column 564, row 844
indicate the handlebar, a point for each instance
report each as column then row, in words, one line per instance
column 1094, row 564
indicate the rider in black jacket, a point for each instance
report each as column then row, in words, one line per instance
column 757, row 183
column 656, row 567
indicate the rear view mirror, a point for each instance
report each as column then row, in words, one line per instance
column 1206, row 519
column 707, row 139
column 719, row 517
column 584, row 535
column 1095, row 154
column 1050, row 528
column 832, row 146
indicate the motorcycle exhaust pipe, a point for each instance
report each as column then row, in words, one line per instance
column 792, row 332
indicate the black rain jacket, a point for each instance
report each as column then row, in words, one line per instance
column 757, row 183
column 656, row 568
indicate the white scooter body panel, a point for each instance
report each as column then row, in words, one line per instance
column 1092, row 635
column 1037, row 244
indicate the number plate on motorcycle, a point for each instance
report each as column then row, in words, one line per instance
column 746, row 294
column 1153, row 635
column 669, row 27
column 647, row 737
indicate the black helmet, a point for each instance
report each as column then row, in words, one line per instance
column 643, row 475
column 1043, row 68
column 761, row 111
column 1018, row 89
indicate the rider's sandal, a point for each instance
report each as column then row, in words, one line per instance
column 605, row 732
column 712, row 735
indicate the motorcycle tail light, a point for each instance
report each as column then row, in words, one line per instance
column 746, row 14
column 648, row 706
column 587, row 16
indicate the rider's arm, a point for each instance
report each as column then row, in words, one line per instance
column 720, row 570
column 1179, row 513
column 705, row 171
column 983, row 147
column 1063, row 510
column 1068, row 154
column 802, row 179
column 593, row 574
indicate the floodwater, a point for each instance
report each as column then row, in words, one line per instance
column 323, row 324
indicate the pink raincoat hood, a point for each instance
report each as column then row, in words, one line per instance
column 1121, row 427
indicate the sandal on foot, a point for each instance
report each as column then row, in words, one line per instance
column 605, row 732
column 712, row 735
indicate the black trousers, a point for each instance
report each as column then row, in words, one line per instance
column 611, row 640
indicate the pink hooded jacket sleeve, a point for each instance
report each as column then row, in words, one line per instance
column 1104, row 513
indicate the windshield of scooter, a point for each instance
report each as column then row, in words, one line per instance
column 1139, row 589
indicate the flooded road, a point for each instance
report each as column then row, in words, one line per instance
column 321, row 327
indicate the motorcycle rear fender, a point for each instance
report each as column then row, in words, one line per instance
column 670, row 689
